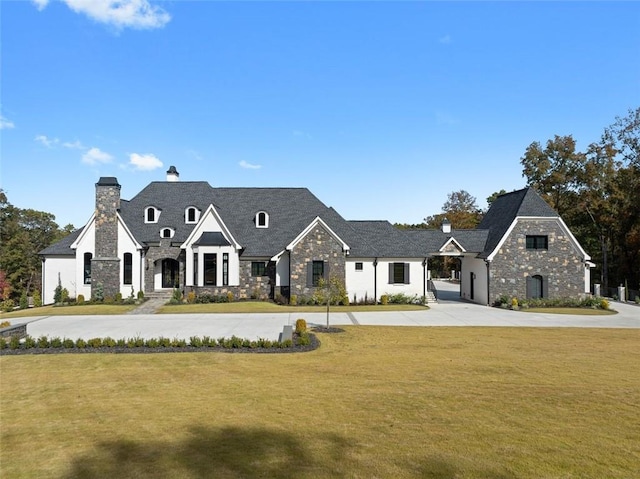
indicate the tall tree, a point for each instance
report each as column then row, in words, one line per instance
column 460, row 209
column 553, row 170
column 23, row 233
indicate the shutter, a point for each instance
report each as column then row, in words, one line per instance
column 545, row 287
column 325, row 272
column 406, row 273
column 390, row 273
column 309, row 274
column 529, row 287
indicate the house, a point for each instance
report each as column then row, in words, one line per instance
column 266, row 242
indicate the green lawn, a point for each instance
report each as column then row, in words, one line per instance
column 371, row 402
column 580, row 311
column 267, row 307
column 85, row 309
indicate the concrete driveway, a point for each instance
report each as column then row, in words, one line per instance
column 449, row 311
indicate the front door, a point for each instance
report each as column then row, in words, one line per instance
column 170, row 273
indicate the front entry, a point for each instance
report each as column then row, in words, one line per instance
column 170, row 273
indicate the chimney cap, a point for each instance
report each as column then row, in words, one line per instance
column 172, row 171
column 108, row 181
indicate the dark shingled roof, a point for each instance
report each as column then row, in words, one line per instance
column 212, row 238
column 62, row 247
column 505, row 209
column 387, row 240
column 431, row 240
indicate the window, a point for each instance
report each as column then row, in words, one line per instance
column 87, row 268
column 537, row 242
column 358, row 266
column 399, row 273
column 225, row 269
column 195, row 269
column 127, row 276
column 151, row 214
column 262, row 220
column 258, row 268
column 166, row 233
column 191, row 215
column 536, row 287
column 317, row 272
column 210, row 266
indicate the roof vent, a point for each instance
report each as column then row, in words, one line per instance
column 172, row 174
column 446, row 226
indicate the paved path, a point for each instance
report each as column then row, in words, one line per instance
column 447, row 312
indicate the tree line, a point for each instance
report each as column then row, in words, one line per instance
column 596, row 192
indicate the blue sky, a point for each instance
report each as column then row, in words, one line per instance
column 379, row 108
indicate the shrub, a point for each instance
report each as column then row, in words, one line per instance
column 230, row 297
column 191, row 297
column 8, row 305
column 152, row 343
column 29, row 342
column 37, row 299
column 604, row 304
column 384, row 299
column 43, row 342
column 98, row 294
column 121, row 343
column 24, row 300
column 3, row 342
column 514, row 304
column 287, row 343
column 637, row 300
column 5, row 324
column 178, row 343
column 118, row 298
column 140, row 295
column 81, row 343
column 14, row 342
column 109, row 342
column 94, row 343
column 176, row 297
column 55, row 342
column 303, row 339
column 293, row 299
column 57, row 293
column 80, row 299
column 65, row 295
column 68, row 343
column 301, row 326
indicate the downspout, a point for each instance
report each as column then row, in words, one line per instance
column 424, row 278
column 42, row 294
column 487, row 262
column 375, row 280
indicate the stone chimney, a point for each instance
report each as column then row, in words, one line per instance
column 105, row 264
column 446, row 226
column 172, row 174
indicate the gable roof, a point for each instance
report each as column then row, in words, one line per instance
column 382, row 239
column 62, row 247
column 506, row 208
column 432, row 241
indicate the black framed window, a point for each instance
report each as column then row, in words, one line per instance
column 358, row 266
column 151, row 215
column 195, row 269
column 210, row 269
column 258, row 268
column 191, row 215
column 317, row 272
column 225, row 269
column 87, row 268
column 537, row 242
column 399, row 273
column 127, row 273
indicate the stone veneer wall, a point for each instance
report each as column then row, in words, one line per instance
column 251, row 287
column 105, row 265
column 318, row 245
column 561, row 265
column 164, row 250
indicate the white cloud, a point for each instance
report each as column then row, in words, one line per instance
column 445, row 39
column 46, row 141
column 95, row 156
column 138, row 14
column 76, row 145
column 40, row 4
column 144, row 162
column 249, row 166
column 5, row 124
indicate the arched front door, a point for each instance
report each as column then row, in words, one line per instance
column 170, row 273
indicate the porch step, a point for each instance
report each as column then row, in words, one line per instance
column 431, row 298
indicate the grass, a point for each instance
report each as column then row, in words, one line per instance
column 85, row 309
column 371, row 402
column 580, row 311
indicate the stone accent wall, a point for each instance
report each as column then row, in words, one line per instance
column 318, row 245
column 105, row 265
column 560, row 265
column 251, row 287
column 164, row 250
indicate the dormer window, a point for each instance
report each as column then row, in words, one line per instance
column 166, row 233
column 262, row 220
column 151, row 214
column 191, row 215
